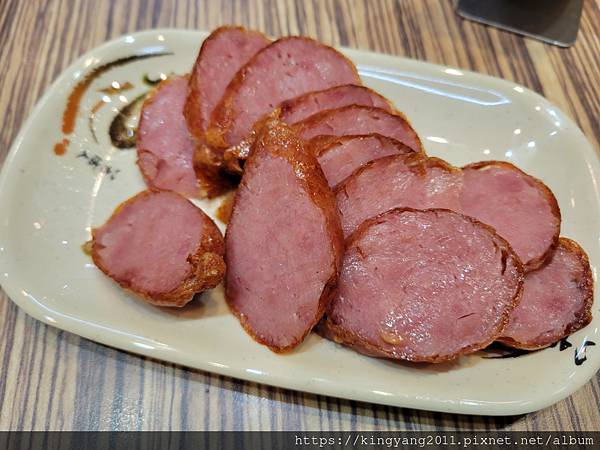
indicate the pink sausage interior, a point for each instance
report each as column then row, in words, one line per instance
column 286, row 69
column 223, row 54
column 165, row 149
column 422, row 285
column 338, row 161
column 512, row 203
column 279, row 256
column 553, row 298
column 392, row 183
column 299, row 109
column 352, row 120
column 148, row 241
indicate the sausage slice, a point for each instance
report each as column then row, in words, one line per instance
column 521, row 208
column 423, row 286
column 287, row 68
column 299, row 108
column 283, row 243
column 222, row 54
column 340, row 156
column 356, row 119
column 161, row 247
column 397, row 181
column 164, row 147
column 557, row 300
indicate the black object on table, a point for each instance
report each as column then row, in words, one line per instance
column 552, row 21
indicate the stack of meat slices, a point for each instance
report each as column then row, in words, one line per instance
column 340, row 219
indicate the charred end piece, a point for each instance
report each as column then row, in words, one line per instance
column 283, row 243
column 557, row 300
column 424, row 286
column 161, row 247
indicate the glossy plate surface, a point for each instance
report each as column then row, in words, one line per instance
column 49, row 203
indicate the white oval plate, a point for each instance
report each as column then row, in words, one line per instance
column 49, row 203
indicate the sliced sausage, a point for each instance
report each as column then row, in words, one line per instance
column 161, row 247
column 299, row 108
column 220, row 57
column 397, row 181
column 164, row 147
column 521, row 208
column 343, row 146
column 283, row 243
column 423, row 286
column 287, row 68
column 222, row 54
column 355, row 119
column 557, row 300
column 340, row 156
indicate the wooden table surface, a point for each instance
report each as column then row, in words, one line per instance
column 50, row 379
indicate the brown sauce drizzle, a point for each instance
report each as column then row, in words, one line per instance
column 121, row 134
column 74, row 100
column 224, row 211
column 60, row 148
column 116, row 87
column 97, row 106
column 95, row 109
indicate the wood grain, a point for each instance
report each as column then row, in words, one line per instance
column 53, row 380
